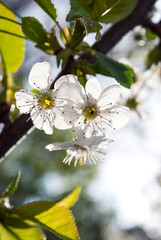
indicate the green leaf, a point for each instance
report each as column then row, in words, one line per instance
column 120, row 72
column 150, row 34
column 101, row 6
column 119, row 11
column 33, row 30
column 98, row 68
column 78, row 35
column 12, row 186
column 89, row 9
column 91, row 25
column 13, row 227
column 153, row 57
column 48, row 7
column 64, row 56
column 53, row 217
column 82, row 80
column 72, row 198
column 79, row 8
column 11, row 47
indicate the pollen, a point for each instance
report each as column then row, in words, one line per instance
column 90, row 112
column 46, row 102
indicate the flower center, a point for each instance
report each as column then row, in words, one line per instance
column 46, row 102
column 90, row 112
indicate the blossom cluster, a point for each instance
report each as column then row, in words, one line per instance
column 89, row 111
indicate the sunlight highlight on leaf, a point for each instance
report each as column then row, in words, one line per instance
column 72, row 198
column 11, row 47
column 53, row 217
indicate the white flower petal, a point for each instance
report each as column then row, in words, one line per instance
column 58, row 146
column 48, row 126
column 93, row 89
column 41, row 120
column 70, row 115
column 82, row 149
column 108, row 96
column 69, row 78
column 59, row 121
column 25, row 101
column 39, row 76
column 71, row 91
column 104, row 144
column 116, row 117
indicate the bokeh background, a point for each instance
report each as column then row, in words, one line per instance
column 121, row 198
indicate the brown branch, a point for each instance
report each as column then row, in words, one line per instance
column 14, row 131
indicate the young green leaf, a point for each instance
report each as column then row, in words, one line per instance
column 78, row 35
column 10, row 45
column 122, row 9
column 120, row 72
column 64, row 56
column 89, row 9
column 53, row 217
column 153, row 57
column 12, row 186
column 14, row 227
column 91, row 25
column 101, row 6
column 72, row 198
column 78, row 9
column 48, row 7
column 33, row 30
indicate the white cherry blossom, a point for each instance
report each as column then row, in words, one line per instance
column 82, row 149
column 92, row 109
column 42, row 104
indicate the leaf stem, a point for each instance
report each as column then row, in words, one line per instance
column 11, row 20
